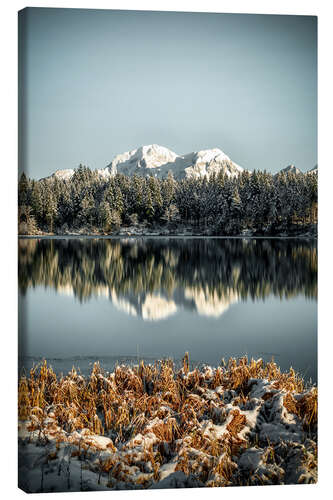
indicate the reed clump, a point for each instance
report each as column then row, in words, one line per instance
column 203, row 422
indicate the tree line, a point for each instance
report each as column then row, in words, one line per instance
column 259, row 202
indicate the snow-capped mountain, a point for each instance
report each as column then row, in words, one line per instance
column 158, row 161
column 62, row 174
column 291, row 169
column 313, row 170
column 144, row 160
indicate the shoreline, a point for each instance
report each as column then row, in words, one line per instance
column 152, row 426
column 160, row 236
column 84, row 363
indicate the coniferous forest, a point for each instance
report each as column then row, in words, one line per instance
column 257, row 203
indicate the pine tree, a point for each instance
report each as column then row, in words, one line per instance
column 50, row 208
column 149, row 207
column 235, row 211
column 105, row 216
column 23, row 190
column 66, row 206
column 115, row 219
column 235, row 204
column 134, row 219
column 168, row 190
column 118, row 202
column 136, row 195
column 171, row 214
column 26, row 221
column 36, row 201
column 155, row 190
column 87, row 207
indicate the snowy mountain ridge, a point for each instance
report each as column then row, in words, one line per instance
column 62, row 174
column 291, row 169
column 158, row 161
column 313, row 170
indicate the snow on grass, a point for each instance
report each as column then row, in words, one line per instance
column 152, row 426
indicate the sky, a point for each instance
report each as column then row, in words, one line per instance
column 96, row 83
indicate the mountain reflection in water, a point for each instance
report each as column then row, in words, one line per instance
column 153, row 278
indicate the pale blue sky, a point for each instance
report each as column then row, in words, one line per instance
column 96, row 83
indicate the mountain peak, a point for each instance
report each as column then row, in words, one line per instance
column 64, row 174
column 158, row 161
column 291, row 169
column 313, row 170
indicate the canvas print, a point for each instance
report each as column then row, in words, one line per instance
column 167, row 250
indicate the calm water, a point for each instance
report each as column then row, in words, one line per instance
column 112, row 300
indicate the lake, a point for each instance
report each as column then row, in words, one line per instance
column 115, row 300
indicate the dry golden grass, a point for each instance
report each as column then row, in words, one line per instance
column 171, row 404
column 306, row 407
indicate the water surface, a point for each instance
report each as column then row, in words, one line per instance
column 86, row 299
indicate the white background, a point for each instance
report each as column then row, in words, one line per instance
column 8, row 247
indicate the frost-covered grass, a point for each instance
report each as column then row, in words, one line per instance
column 155, row 426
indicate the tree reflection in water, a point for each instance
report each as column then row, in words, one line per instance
column 151, row 277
